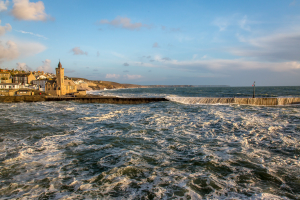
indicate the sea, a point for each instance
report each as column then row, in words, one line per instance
column 160, row 150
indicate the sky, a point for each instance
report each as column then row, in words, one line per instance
column 151, row 42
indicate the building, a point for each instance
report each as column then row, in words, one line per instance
column 38, row 73
column 60, row 86
column 10, row 85
column 40, row 83
column 24, row 92
column 5, row 77
column 26, row 78
column 41, row 77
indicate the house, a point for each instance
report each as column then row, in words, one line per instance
column 40, row 83
column 5, row 77
column 60, row 86
column 24, row 78
column 41, row 77
column 38, row 73
column 25, row 92
column 10, row 85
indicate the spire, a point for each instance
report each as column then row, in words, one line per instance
column 59, row 65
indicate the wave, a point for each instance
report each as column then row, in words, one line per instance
column 201, row 100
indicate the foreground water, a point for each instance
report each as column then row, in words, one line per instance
column 166, row 150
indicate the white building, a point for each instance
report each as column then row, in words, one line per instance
column 10, row 85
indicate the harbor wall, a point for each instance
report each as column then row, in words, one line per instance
column 15, row 99
column 241, row 101
column 186, row 100
column 110, row 100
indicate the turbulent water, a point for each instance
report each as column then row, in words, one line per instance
column 163, row 150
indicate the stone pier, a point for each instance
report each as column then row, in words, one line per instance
column 274, row 101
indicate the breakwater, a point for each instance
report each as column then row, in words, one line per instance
column 83, row 99
column 242, row 101
column 105, row 99
column 136, row 100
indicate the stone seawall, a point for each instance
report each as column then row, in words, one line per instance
column 242, row 101
column 267, row 101
column 15, row 99
column 186, row 100
column 111, row 100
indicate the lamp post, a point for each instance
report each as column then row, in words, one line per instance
column 253, row 90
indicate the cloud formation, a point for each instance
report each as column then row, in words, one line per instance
column 5, row 28
column 8, row 51
column 78, row 51
column 46, row 67
column 226, row 66
column 3, row 5
column 29, row 48
column 222, row 23
column 225, row 22
column 278, row 47
column 37, row 35
column 132, row 76
column 25, row 10
column 116, row 76
column 124, row 22
column 23, row 66
column 15, row 49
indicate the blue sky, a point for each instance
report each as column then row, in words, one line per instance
column 156, row 42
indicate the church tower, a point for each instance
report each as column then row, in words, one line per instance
column 60, row 74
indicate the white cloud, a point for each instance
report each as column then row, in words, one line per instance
column 277, row 47
column 3, row 5
column 23, row 67
column 222, row 23
column 37, row 35
column 244, row 23
column 16, row 49
column 132, row 76
column 116, row 76
column 29, row 48
column 25, row 10
column 78, row 51
column 46, row 67
column 5, row 28
column 8, row 51
column 224, row 66
column 125, row 23
column 235, row 20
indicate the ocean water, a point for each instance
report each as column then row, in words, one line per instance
column 162, row 150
